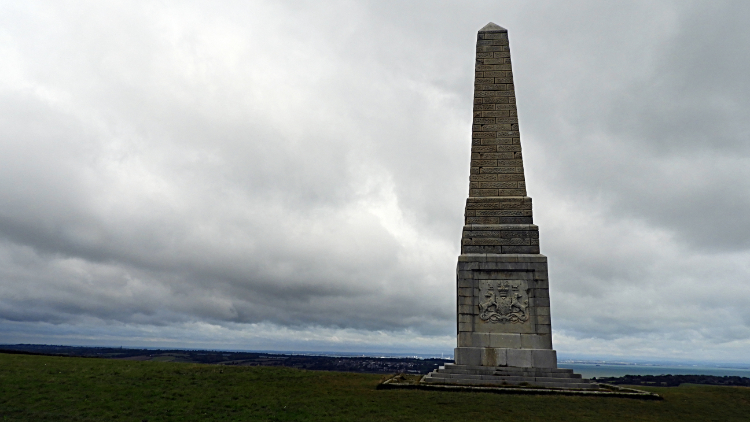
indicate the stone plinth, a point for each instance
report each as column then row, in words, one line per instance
column 503, row 311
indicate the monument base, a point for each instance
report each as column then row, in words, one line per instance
column 494, row 356
column 453, row 374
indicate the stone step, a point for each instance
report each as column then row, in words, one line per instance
column 506, row 368
column 502, row 371
column 443, row 375
column 501, row 382
column 483, row 377
column 514, row 374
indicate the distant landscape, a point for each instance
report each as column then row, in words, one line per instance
column 361, row 364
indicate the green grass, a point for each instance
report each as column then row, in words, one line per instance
column 40, row 388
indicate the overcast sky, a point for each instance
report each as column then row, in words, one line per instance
column 292, row 175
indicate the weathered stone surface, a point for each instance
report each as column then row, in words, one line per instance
column 494, row 185
column 519, row 358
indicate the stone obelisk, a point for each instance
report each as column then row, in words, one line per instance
column 504, row 334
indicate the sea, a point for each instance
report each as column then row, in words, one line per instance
column 590, row 370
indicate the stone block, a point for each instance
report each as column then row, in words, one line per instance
column 497, row 100
column 508, row 341
column 493, row 241
column 498, row 156
column 467, row 309
column 543, row 329
column 495, row 227
column 465, row 274
column 472, row 258
column 536, row 341
column 464, row 282
column 465, row 291
column 483, row 248
column 496, row 141
column 483, row 149
column 492, row 185
column 536, row 258
column 542, row 310
column 492, row 94
column 469, row 356
column 540, row 293
column 509, row 134
column 484, row 48
column 465, row 318
column 498, row 204
column 484, row 163
column 505, row 213
column 482, row 220
column 502, row 234
column 465, row 326
column 539, row 301
column 544, row 358
column 518, row 177
column 511, row 192
column 521, row 249
column 498, row 35
column 491, row 86
column 519, row 358
column 497, row 74
column 462, row 300
column 491, row 67
column 511, row 259
column 501, row 170
column 492, row 127
column 495, row 114
column 494, row 357
column 464, row 339
column 480, row 135
column 467, row 265
column 480, row 339
column 543, row 319
column 541, row 282
column 483, row 41
column 515, row 220
column 483, row 192
column 503, row 79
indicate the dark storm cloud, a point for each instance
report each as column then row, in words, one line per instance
column 291, row 175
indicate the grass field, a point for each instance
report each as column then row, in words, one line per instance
column 41, row 388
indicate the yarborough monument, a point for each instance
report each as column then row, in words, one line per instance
column 502, row 287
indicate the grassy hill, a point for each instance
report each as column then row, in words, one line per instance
column 42, row 388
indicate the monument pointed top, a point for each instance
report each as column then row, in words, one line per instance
column 493, row 27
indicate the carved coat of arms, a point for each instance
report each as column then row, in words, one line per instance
column 504, row 301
